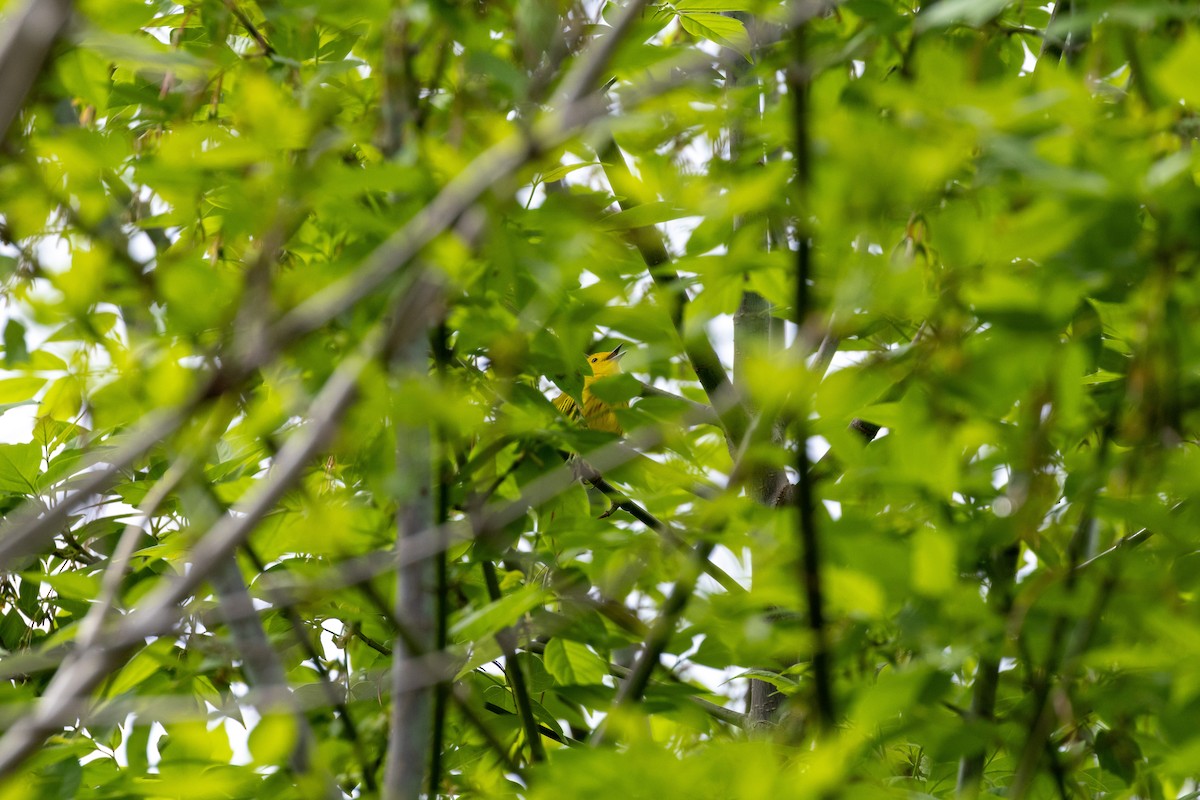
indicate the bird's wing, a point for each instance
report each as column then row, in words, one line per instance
column 567, row 406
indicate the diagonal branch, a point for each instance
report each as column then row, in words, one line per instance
column 24, row 50
column 84, row 670
column 634, row 687
column 26, row 532
column 699, row 350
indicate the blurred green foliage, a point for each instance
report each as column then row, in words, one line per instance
column 1003, row 212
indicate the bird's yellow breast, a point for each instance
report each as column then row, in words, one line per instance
column 597, row 414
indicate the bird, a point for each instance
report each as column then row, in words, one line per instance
column 597, row 414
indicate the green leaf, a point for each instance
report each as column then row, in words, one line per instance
column 494, row 617
column 1172, row 73
column 641, row 216
column 560, row 172
column 965, row 12
column 15, row 350
column 149, row 661
column 20, row 391
column 717, row 28
column 20, row 465
column 935, row 565
column 714, row 5
column 574, row 663
column 273, row 739
column 76, row 585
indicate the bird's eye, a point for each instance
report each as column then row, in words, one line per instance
column 594, row 360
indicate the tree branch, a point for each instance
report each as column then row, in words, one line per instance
column 634, row 687
column 86, row 667
column 699, row 350
column 516, row 678
column 31, row 33
column 408, row 742
column 798, row 79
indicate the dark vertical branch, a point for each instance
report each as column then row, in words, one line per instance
column 441, row 696
column 987, row 674
column 516, row 678
column 799, row 78
column 755, row 331
column 1067, row 641
column 1043, row 722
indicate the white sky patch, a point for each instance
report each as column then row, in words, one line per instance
column 1029, row 564
column 141, row 248
column 532, row 197
column 239, row 735
column 720, row 332
column 738, row 569
column 678, row 231
column 1031, row 60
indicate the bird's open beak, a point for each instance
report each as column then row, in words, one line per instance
column 616, row 353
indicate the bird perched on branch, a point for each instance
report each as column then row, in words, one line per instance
column 597, row 414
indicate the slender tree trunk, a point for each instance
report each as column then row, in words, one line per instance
column 756, row 332
column 412, row 700
column 411, row 723
column 752, row 333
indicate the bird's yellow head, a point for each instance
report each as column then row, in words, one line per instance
column 604, row 364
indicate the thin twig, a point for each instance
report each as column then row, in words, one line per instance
column 512, row 668
column 634, row 687
column 332, row 695
column 669, row 535
column 250, row 27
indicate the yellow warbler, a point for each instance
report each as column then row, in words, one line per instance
column 597, row 414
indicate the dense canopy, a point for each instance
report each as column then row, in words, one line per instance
column 910, row 306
